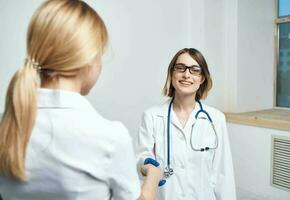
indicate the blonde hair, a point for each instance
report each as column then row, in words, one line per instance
column 63, row 36
column 169, row 90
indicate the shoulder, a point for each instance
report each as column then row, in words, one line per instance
column 107, row 138
column 160, row 110
column 114, row 130
column 216, row 114
column 99, row 129
column 118, row 131
column 152, row 110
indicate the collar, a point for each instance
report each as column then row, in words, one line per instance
column 191, row 118
column 51, row 98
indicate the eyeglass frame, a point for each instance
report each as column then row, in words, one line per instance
column 189, row 68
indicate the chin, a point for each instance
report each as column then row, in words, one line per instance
column 84, row 92
column 185, row 92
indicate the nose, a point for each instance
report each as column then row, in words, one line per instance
column 186, row 73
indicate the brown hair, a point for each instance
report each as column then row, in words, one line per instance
column 63, row 36
column 168, row 89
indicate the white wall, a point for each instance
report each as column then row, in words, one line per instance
column 251, row 149
column 255, row 54
column 14, row 19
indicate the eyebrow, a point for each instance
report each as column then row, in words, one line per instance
column 187, row 65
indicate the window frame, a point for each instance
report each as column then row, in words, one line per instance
column 278, row 21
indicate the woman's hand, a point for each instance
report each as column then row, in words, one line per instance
column 152, row 171
column 153, row 176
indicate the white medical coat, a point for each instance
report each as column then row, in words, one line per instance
column 75, row 154
column 197, row 175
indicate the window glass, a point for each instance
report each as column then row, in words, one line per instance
column 283, row 8
column 283, row 68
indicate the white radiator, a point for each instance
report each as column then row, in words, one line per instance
column 280, row 168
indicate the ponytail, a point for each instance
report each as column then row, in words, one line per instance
column 18, row 121
column 63, row 37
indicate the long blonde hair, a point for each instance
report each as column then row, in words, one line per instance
column 63, row 36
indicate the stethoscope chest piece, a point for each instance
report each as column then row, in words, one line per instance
column 168, row 171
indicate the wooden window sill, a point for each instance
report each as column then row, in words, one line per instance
column 271, row 118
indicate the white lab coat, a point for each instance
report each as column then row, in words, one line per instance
column 75, row 153
column 197, row 175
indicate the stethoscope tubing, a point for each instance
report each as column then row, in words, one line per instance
column 168, row 134
column 168, row 170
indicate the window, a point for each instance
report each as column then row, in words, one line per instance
column 283, row 8
column 283, row 64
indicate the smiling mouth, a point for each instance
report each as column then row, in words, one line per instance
column 186, row 83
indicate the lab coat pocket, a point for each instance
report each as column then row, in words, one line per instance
column 208, row 158
column 179, row 151
column 174, row 187
column 203, row 135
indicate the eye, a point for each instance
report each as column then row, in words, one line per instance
column 179, row 67
column 196, row 69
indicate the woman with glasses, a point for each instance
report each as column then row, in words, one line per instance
column 188, row 138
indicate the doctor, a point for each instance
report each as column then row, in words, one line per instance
column 188, row 138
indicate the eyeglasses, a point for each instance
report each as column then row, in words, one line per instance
column 193, row 69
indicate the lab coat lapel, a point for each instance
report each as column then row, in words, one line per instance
column 173, row 118
column 163, row 111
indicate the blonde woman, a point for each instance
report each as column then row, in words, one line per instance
column 53, row 144
column 188, row 138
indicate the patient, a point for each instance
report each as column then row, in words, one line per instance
column 53, row 144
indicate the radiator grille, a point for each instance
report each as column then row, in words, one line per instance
column 281, row 162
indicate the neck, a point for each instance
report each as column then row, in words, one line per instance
column 184, row 103
column 63, row 83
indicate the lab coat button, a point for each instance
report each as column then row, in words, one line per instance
column 180, row 136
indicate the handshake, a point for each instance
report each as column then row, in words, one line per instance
column 156, row 164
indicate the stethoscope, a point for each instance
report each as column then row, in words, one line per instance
column 168, row 170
